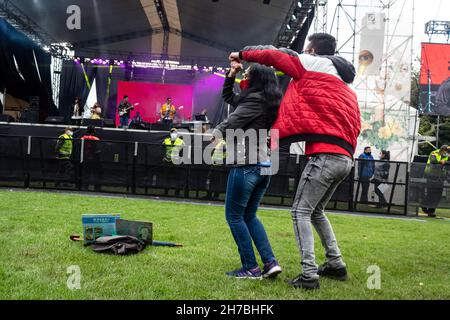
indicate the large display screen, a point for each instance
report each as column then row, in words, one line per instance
column 151, row 97
column 435, row 79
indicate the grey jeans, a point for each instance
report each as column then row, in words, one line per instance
column 322, row 176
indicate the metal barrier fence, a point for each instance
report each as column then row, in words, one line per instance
column 429, row 186
column 138, row 168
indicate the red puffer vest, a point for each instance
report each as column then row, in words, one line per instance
column 318, row 106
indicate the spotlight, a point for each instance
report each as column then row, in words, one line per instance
column 288, row 26
column 299, row 4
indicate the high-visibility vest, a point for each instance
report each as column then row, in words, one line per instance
column 219, row 154
column 65, row 152
column 433, row 168
column 173, row 149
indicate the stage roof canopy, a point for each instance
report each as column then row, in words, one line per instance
column 198, row 28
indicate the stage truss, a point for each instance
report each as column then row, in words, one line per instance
column 388, row 120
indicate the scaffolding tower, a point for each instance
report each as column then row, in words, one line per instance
column 321, row 22
column 343, row 19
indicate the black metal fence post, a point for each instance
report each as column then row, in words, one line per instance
column 351, row 205
column 133, row 177
column 80, row 177
column 391, row 198
column 27, row 163
column 408, row 172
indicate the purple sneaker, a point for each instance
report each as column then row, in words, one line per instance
column 254, row 274
column 272, row 270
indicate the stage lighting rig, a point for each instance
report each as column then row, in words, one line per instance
column 438, row 28
column 294, row 21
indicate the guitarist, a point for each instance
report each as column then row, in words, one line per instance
column 168, row 112
column 124, row 110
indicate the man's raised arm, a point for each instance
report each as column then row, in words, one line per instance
column 284, row 60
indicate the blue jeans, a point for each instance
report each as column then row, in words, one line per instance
column 124, row 121
column 245, row 190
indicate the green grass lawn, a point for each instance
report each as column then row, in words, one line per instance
column 414, row 256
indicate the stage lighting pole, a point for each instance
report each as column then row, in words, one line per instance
column 4, row 100
column 437, row 131
column 86, row 76
column 429, row 90
column 109, row 80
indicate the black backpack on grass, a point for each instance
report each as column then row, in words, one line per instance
column 118, row 245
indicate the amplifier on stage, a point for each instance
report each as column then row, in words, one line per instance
column 54, row 120
column 92, row 122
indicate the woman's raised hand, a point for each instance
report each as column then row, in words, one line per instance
column 236, row 67
column 234, row 56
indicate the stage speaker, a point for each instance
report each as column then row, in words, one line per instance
column 30, row 115
column 109, row 123
column 6, row 118
column 181, row 126
column 91, row 122
column 54, row 120
column 140, row 126
column 161, row 127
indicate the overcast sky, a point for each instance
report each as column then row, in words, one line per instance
column 427, row 10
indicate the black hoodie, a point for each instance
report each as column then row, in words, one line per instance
column 345, row 69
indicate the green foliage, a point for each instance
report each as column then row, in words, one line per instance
column 415, row 89
column 36, row 252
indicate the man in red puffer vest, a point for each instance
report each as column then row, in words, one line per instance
column 320, row 108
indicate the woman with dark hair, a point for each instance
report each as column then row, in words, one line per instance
column 256, row 112
column 381, row 176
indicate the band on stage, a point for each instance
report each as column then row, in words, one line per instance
column 166, row 115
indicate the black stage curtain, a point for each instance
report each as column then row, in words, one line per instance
column 109, row 102
column 73, row 84
column 25, row 70
column 222, row 108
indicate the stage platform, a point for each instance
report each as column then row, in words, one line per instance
column 108, row 134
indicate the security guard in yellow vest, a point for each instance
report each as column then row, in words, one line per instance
column 64, row 149
column 64, row 146
column 437, row 157
column 173, row 145
column 219, row 156
column 435, row 175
